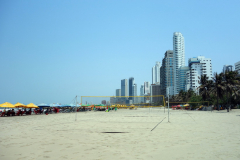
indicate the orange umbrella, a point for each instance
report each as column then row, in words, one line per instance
column 7, row 105
column 18, row 105
column 31, row 105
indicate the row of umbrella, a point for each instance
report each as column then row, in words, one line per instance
column 18, row 105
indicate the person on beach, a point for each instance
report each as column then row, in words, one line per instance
column 13, row 113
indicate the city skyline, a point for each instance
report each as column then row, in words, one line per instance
column 52, row 51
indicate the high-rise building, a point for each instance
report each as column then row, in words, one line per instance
column 118, row 93
column 124, row 88
column 146, row 88
column 179, row 57
column 142, row 94
column 155, row 91
column 131, row 83
column 197, row 66
column 104, row 102
column 237, row 67
column 182, row 79
column 156, row 73
column 227, row 68
column 167, row 74
column 113, row 100
column 134, row 93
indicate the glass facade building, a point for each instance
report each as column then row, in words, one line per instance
column 124, row 88
column 182, row 77
column 131, row 83
column 167, row 74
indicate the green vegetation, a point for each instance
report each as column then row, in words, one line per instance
column 223, row 89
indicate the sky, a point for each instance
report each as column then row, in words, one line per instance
column 52, row 51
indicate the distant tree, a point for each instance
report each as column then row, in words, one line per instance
column 218, row 87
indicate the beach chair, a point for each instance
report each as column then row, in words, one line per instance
column 18, row 113
column 36, row 112
column 3, row 114
column 23, row 112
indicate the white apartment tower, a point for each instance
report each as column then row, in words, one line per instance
column 156, row 73
column 198, row 66
column 178, row 56
column 237, row 67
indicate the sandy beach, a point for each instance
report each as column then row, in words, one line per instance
column 146, row 134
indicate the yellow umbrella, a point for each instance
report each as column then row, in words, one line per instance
column 18, row 105
column 7, row 105
column 31, row 105
column 186, row 105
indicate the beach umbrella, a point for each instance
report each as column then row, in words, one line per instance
column 7, row 105
column 42, row 105
column 31, row 105
column 19, row 105
column 54, row 105
column 64, row 105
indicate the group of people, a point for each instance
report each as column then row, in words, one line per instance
column 18, row 113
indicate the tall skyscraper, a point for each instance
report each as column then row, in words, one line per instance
column 167, row 74
column 146, row 88
column 179, row 57
column 197, row 66
column 237, row 67
column 142, row 94
column 227, row 68
column 131, row 83
column 118, row 93
column 156, row 73
column 124, row 87
column 155, row 91
column 134, row 93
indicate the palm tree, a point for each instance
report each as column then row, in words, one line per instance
column 189, row 94
column 218, row 87
column 182, row 96
column 231, row 83
column 204, row 87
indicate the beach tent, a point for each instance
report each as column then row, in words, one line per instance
column 43, row 105
column 7, row 105
column 72, row 105
column 64, row 105
column 100, row 105
column 54, row 105
column 31, row 105
column 19, row 105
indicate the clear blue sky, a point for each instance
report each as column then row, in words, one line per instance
column 53, row 50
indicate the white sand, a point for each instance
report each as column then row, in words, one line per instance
column 190, row 135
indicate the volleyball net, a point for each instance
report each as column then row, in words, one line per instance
column 124, row 101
